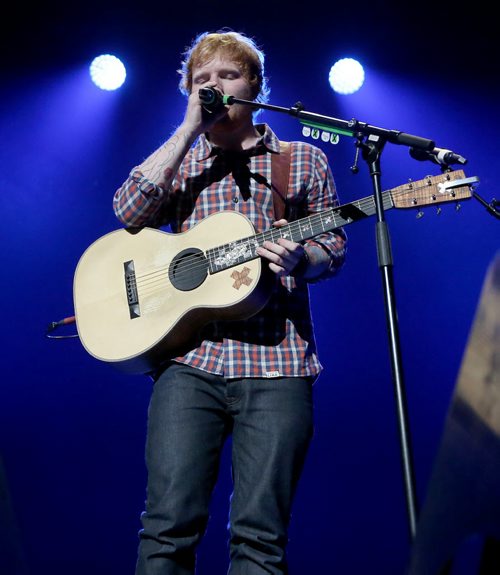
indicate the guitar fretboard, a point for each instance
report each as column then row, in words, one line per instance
column 243, row 250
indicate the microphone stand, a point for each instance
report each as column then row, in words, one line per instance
column 371, row 152
column 371, row 140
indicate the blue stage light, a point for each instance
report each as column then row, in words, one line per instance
column 346, row 76
column 107, row 72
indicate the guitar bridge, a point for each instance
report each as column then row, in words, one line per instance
column 131, row 289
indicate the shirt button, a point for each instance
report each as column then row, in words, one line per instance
column 235, row 200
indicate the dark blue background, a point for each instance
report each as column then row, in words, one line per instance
column 72, row 429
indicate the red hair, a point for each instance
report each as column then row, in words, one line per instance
column 238, row 48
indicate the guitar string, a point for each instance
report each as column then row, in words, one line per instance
column 198, row 264
column 195, row 263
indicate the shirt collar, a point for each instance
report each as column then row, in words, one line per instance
column 204, row 148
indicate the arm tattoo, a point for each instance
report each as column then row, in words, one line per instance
column 161, row 168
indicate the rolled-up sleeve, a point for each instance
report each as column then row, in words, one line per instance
column 138, row 201
column 331, row 245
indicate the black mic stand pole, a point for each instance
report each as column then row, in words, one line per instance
column 371, row 151
column 371, row 148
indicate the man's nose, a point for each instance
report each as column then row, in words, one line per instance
column 214, row 81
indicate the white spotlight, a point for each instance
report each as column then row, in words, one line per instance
column 346, row 76
column 107, row 72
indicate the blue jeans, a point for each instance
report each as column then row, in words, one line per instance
column 191, row 414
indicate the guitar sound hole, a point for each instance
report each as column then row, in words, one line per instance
column 188, row 269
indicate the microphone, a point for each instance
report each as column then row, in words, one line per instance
column 213, row 99
column 438, row 156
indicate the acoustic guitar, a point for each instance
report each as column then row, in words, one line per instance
column 140, row 296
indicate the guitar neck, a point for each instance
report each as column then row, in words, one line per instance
column 431, row 190
column 327, row 220
column 243, row 250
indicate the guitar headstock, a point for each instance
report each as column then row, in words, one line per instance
column 448, row 187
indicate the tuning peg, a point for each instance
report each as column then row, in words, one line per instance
column 420, row 214
column 458, row 207
column 438, row 210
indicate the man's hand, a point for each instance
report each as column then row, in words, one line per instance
column 196, row 118
column 283, row 256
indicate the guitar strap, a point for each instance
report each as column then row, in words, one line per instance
column 280, row 173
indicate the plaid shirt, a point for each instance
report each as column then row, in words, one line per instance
column 279, row 340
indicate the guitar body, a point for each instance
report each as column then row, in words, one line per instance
column 132, row 306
